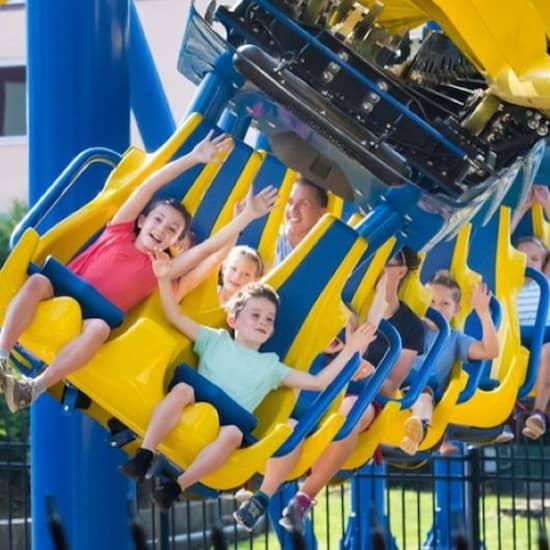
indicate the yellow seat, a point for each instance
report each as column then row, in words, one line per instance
column 311, row 337
column 465, row 278
column 141, row 354
column 489, row 408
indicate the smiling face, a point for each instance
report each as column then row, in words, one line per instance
column 254, row 323
column 534, row 253
column 160, row 229
column 238, row 270
column 444, row 301
column 302, row 211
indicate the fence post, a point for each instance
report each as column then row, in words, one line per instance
column 474, row 495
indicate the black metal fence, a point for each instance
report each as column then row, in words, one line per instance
column 15, row 531
column 493, row 497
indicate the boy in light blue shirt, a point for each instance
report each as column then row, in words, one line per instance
column 236, row 366
column 460, row 347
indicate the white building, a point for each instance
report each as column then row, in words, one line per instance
column 164, row 23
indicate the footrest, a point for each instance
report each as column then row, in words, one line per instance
column 469, row 434
column 396, row 457
column 120, row 433
column 74, row 399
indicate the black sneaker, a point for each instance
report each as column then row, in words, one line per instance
column 249, row 513
column 166, row 494
column 137, row 467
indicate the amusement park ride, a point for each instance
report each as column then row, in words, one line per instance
column 426, row 120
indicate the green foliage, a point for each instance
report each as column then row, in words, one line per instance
column 8, row 221
column 12, row 427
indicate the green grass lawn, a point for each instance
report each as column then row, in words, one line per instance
column 415, row 510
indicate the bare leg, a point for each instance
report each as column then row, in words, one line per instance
column 336, row 454
column 278, row 468
column 543, row 380
column 21, row 393
column 423, row 407
column 447, row 448
column 535, row 424
column 167, row 414
column 212, row 456
column 75, row 354
column 22, row 308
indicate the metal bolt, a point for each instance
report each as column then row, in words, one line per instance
column 373, row 97
column 343, row 55
column 367, row 106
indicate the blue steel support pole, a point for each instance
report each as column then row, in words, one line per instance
column 78, row 90
column 368, row 510
column 450, row 515
column 215, row 89
column 149, row 102
column 236, row 125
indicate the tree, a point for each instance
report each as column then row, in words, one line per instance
column 12, row 427
column 8, row 221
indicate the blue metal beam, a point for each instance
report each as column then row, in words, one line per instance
column 78, row 88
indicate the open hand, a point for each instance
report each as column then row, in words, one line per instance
column 481, row 297
column 210, row 150
column 528, row 201
column 360, row 338
column 161, row 263
column 256, row 206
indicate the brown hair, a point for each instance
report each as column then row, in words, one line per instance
column 174, row 204
column 250, row 254
column 320, row 193
column 444, row 278
column 408, row 257
column 531, row 239
column 253, row 290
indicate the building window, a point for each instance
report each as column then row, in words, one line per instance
column 13, row 118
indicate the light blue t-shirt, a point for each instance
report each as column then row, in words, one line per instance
column 246, row 375
column 455, row 349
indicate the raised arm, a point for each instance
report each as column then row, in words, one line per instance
column 542, row 196
column 255, row 207
column 488, row 347
column 206, row 151
column 193, row 278
column 161, row 267
column 378, row 306
column 356, row 342
column 522, row 209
